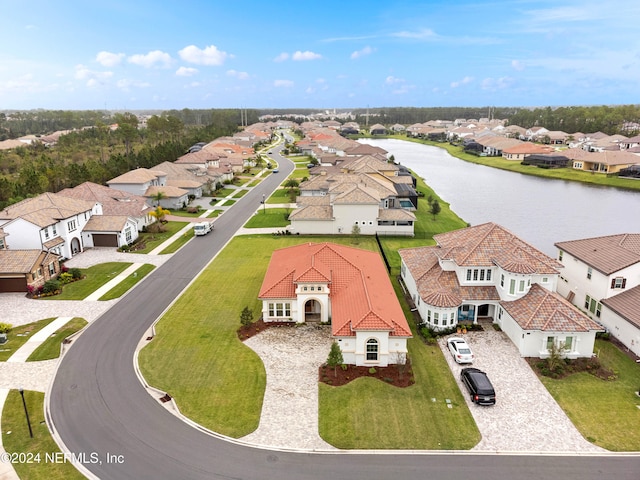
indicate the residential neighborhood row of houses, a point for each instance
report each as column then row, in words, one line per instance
column 480, row 271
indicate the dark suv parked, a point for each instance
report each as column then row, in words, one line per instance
column 479, row 386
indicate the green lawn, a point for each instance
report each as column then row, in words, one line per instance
column 95, row 277
column 224, row 192
column 15, row 438
column 281, row 195
column 179, row 242
column 18, row 336
column 605, row 412
column 370, row 414
column 184, row 213
column 226, row 380
column 269, row 218
column 129, row 282
column 226, row 383
column 240, row 193
column 154, row 239
column 50, row 348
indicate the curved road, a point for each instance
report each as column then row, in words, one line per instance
column 106, row 418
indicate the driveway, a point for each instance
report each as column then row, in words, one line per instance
column 525, row 418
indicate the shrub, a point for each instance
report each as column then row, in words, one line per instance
column 344, row 366
column 65, row 277
column 372, row 371
column 51, row 286
column 5, row 327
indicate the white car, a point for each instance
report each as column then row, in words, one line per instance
column 460, row 350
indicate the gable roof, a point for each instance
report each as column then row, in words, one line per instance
column 606, row 254
column 626, row 304
column 138, row 176
column 46, row 209
column 23, row 261
column 541, row 309
column 361, row 294
column 113, row 201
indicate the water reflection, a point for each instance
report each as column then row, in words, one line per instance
column 541, row 211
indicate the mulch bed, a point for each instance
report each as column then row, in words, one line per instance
column 569, row 367
column 259, row 326
column 398, row 377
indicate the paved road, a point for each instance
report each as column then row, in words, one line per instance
column 101, row 412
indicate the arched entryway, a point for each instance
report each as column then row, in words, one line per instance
column 312, row 311
column 75, row 246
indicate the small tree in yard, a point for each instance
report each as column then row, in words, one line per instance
column 435, row 208
column 335, row 357
column 246, row 317
column 355, row 233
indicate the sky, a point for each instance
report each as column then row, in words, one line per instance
column 160, row 55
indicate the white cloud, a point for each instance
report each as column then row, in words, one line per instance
column 464, row 81
column 151, row 59
column 208, row 56
column 186, row 71
column 92, row 77
column 390, row 80
column 517, row 65
column 424, row 34
column 282, row 57
column 310, row 90
column 493, row 84
column 238, row 75
column 307, row 55
column 283, row 83
column 108, row 59
column 361, row 53
column 403, row 89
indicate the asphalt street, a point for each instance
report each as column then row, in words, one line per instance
column 105, row 417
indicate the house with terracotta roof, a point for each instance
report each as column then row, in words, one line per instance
column 344, row 286
column 601, row 276
column 487, row 271
column 49, row 222
column 525, row 149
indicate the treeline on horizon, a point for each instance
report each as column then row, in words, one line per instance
column 99, row 154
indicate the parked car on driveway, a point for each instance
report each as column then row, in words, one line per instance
column 460, row 350
column 479, row 386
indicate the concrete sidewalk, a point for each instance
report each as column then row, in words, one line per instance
column 113, row 282
column 30, row 376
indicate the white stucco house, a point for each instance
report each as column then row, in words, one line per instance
column 601, row 276
column 49, row 222
column 487, row 271
column 335, row 204
column 344, row 286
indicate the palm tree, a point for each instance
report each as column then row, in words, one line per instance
column 158, row 196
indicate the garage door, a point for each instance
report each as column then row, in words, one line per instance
column 104, row 240
column 13, row 284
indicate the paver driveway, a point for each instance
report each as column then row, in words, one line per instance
column 525, row 418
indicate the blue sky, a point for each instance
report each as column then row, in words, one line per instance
column 144, row 54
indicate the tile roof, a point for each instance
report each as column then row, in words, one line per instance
column 395, row 214
column 113, row 201
column 312, row 212
column 361, row 294
column 616, row 157
column 546, row 311
column 46, row 209
column 626, row 304
column 607, row 254
column 170, row 192
column 139, row 175
column 21, row 261
column 105, row 223
column 437, row 287
column 490, row 244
